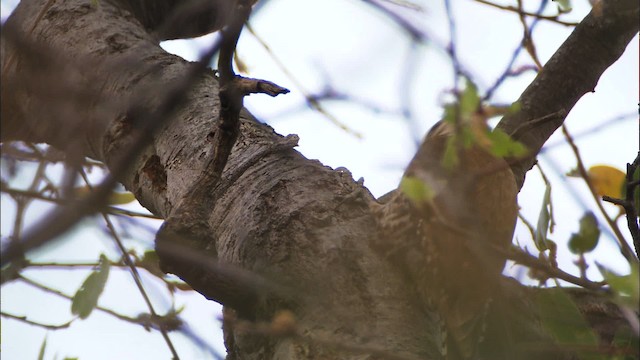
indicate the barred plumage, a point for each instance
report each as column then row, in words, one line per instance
column 445, row 244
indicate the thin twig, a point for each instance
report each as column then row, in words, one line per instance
column 520, row 11
column 109, row 210
column 527, row 39
column 625, row 249
column 23, row 202
column 581, row 263
column 451, row 47
column 416, row 34
column 519, row 256
column 35, row 323
column 312, row 101
column 55, row 265
column 629, row 204
column 596, row 129
column 535, row 122
column 134, row 273
column 508, row 72
column 532, row 231
column 171, row 284
column 69, row 297
column 527, row 224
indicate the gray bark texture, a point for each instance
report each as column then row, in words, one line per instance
column 277, row 231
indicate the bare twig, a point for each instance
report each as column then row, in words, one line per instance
column 153, row 271
column 527, row 224
column 22, row 202
column 312, row 101
column 625, row 249
column 35, row 323
column 535, row 122
column 523, row 258
column 69, row 297
column 509, row 71
column 527, row 40
column 606, row 124
column 415, row 33
column 109, row 209
column 134, row 273
column 451, row 48
column 615, row 24
column 581, row 263
column 520, row 11
column 629, row 204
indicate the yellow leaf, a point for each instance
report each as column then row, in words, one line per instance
column 115, row 198
column 119, row 198
column 607, row 180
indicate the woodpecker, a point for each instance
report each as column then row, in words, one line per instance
column 457, row 204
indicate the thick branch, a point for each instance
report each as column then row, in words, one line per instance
column 290, row 220
column 179, row 19
column 596, row 43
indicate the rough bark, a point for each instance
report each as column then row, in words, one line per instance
column 278, row 231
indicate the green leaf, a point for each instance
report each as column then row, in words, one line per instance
column 469, row 99
column 502, row 145
column 588, row 235
column 563, row 321
column 564, row 5
column 416, row 190
column 86, row 298
column 450, row 156
column 151, row 256
column 626, row 287
column 151, row 262
column 468, row 137
column 626, row 341
column 449, row 114
column 468, row 103
column 544, row 219
column 573, row 173
column 43, row 347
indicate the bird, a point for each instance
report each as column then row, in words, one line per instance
column 445, row 224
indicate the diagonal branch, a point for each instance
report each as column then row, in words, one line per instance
column 595, row 44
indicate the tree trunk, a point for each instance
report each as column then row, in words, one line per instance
column 278, row 231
